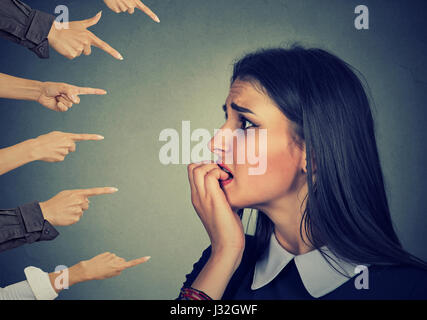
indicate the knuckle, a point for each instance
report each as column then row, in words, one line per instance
column 197, row 171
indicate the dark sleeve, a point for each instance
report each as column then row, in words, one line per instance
column 25, row 26
column 22, row 225
column 197, row 267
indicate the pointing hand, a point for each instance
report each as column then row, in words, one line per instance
column 66, row 208
column 61, row 96
column 75, row 40
column 129, row 5
column 56, row 145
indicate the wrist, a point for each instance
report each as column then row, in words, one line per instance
column 25, row 151
column 226, row 258
column 78, row 273
column 30, row 147
column 232, row 253
column 52, row 33
column 36, row 89
column 27, row 89
column 45, row 212
column 216, row 274
column 75, row 275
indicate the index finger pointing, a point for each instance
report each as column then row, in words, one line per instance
column 135, row 262
column 98, row 191
column 147, row 11
column 85, row 136
column 105, row 46
column 91, row 91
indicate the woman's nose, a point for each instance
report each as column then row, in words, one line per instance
column 218, row 144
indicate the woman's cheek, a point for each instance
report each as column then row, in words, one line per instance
column 267, row 183
column 278, row 178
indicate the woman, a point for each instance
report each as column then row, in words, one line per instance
column 324, row 228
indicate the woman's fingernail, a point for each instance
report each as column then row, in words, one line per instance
column 100, row 137
column 114, row 189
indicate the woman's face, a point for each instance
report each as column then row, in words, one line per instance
column 248, row 108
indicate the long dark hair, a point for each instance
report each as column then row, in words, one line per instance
column 346, row 205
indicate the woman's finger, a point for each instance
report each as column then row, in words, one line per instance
column 63, row 151
column 122, row 6
column 212, row 181
column 87, row 50
column 147, row 11
column 131, row 6
column 85, row 206
column 72, row 147
column 135, row 262
column 69, row 93
column 190, row 169
column 199, row 177
column 64, row 101
column 61, row 107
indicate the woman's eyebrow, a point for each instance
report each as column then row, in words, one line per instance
column 237, row 108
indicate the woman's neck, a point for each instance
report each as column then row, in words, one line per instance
column 286, row 215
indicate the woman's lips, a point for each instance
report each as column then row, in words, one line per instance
column 228, row 171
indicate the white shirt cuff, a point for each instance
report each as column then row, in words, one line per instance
column 40, row 283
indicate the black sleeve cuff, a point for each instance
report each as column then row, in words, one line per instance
column 38, row 29
column 35, row 225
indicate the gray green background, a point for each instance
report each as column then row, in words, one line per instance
column 179, row 70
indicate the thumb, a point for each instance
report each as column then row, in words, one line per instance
column 94, row 20
column 71, row 92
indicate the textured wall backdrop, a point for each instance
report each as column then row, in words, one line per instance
column 179, row 70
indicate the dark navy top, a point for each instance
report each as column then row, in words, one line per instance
column 292, row 281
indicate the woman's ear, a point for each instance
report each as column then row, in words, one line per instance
column 304, row 162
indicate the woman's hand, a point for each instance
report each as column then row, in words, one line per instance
column 223, row 226
column 129, row 5
column 61, row 96
column 102, row 266
column 107, row 265
column 75, row 39
column 67, row 207
column 56, row 145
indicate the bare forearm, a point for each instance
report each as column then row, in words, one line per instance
column 216, row 274
column 19, row 88
column 16, row 156
column 76, row 274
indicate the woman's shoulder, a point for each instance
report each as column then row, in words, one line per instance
column 391, row 282
column 401, row 273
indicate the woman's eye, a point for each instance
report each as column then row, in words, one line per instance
column 246, row 123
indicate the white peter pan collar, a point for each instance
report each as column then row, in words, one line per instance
column 318, row 277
